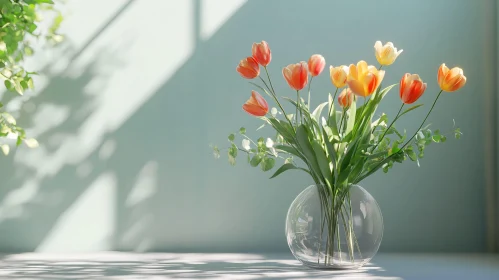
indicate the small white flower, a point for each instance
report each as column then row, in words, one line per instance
column 273, row 112
column 246, row 144
column 269, row 143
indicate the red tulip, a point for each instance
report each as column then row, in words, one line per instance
column 316, row 64
column 296, row 75
column 248, row 68
column 411, row 88
column 450, row 80
column 261, row 53
column 346, row 98
column 256, row 105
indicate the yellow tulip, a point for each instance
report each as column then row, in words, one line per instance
column 386, row 54
column 450, row 80
column 338, row 75
column 363, row 80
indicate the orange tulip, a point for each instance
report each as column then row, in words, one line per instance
column 411, row 88
column 248, row 68
column 296, row 75
column 316, row 64
column 338, row 75
column 450, row 80
column 386, row 54
column 256, row 105
column 261, row 53
column 346, row 98
column 363, row 80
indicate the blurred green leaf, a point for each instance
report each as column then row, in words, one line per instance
column 267, row 163
column 410, row 109
column 242, row 131
column 255, row 161
column 231, row 137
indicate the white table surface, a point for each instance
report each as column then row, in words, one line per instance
column 114, row 265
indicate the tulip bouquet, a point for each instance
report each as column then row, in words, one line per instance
column 336, row 144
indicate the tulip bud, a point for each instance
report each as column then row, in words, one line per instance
column 450, row 80
column 346, row 98
column 296, row 75
column 386, row 54
column 248, row 68
column 411, row 88
column 338, row 75
column 261, row 53
column 363, row 80
column 256, row 105
column 316, row 64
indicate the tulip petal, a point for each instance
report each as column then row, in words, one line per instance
column 442, row 72
column 356, row 87
column 458, row 84
column 370, row 83
column 259, row 99
column 378, row 46
column 352, row 72
column 403, row 84
column 361, row 68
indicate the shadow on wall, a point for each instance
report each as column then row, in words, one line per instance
column 165, row 190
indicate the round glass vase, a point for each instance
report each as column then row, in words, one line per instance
column 334, row 229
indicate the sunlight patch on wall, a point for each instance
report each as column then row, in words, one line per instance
column 214, row 13
column 88, row 224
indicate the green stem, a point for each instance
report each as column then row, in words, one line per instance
column 342, row 119
column 331, row 106
column 427, row 115
column 359, row 178
column 275, row 97
column 384, row 133
column 309, row 85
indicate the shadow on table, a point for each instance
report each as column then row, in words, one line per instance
column 183, row 266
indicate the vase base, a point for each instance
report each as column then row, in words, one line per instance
column 332, row 266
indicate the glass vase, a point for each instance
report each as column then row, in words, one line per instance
column 330, row 228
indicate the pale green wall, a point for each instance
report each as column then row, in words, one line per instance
column 129, row 105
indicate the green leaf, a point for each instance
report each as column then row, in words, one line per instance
column 5, row 149
column 18, row 87
column 267, row 163
column 255, row 161
column 410, row 109
column 232, row 160
column 318, row 111
column 411, row 154
column 2, row 65
column 19, row 141
column 231, row 137
column 306, row 149
column 233, row 151
column 351, row 117
column 216, row 152
column 290, row 150
column 30, row 83
column 31, row 143
column 8, row 84
column 322, row 162
column 436, row 138
column 24, row 85
column 286, row 167
column 242, row 131
column 28, row 51
column 282, row 128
